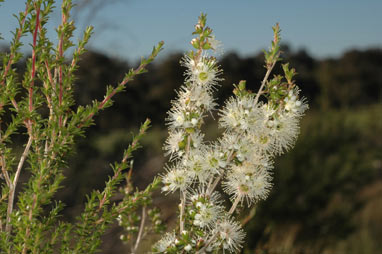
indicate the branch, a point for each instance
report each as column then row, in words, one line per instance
column 33, row 72
column 22, row 160
column 234, row 205
column 271, row 58
column 60, row 70
column 29, row 125
column 141, row 229
column 127, row 155
column 201, row 251
column 217, row 180
column 128, row 77
column 269, row 70
column 4, row 171
column 12, row 190
column 248, row 217
column 183, row 204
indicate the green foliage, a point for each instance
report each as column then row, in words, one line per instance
column 40, row 108
column 272, row 56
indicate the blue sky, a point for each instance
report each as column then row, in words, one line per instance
column 129, row 28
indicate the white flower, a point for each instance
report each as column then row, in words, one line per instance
column 202, row 97
column 195, row 97
column 196, row 139
column 216, row 45
column 215, row 159
column 167, row 240
column 285, row 133
column 230, row 235
column 245, row 147
column 279, row 132
column 229, row 141
column 208, row 208
column 241, row 114
column 196, row 165
column 204, row 72
column 174, row 143
column 208, row 215
column 119, row 219
column 176, row 118
column 188, row 247
column 176, row 178
column 194, row 121
column 248, row 182
column 293, row 105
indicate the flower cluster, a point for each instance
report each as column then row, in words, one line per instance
column 255, row 130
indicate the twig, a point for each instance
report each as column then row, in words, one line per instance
column 21, row 162
column 30, row 216
column 141, row 230
column 141, row 67
column 183, row 193
column 64, row 19
column 12, row 190
column 212, row 188
column 207, row 243
column 5, row 173
column 217, row 180
column 182, row 206
column 248, row 217
column 269, row 70
column 33, row 72
column 124, row 159
column 234, row 205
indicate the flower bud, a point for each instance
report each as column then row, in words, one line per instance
column 195, row 43
column 206, row 46
column 198, row 28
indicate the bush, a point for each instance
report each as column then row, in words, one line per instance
column 39, row 108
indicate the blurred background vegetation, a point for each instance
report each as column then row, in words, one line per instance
column 327, row 194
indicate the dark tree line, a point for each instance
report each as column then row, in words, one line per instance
column 353, row 80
